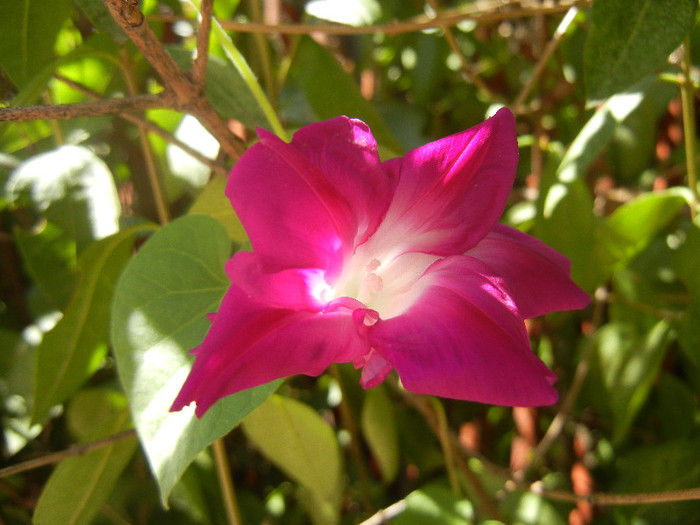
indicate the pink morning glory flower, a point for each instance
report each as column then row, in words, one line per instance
column 389, row 265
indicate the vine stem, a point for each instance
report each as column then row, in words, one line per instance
column 228, row 492
column 689, row 131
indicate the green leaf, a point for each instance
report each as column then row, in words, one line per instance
column 678, row 411
column 566, row 204
column 73, row 350
column 332, row 92
column 158, row 315
column 99, row 15
column 186, row 173
column 72, row 188
column 29, row 30
column 629, row 364
column 379, row 429
column 213, row 201
column 50, row 260
column 226, row 89
column 296, row 439
column 631, row 39
column 633, row 226
column 435, row 504
column 79, row 486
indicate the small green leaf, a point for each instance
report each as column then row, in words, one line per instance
column 29, row 31
column 379, row 429
column 79, row 486
column 634, row 225
column 158, row 315
column 73, row 350
column 435, row 504
column 212, row 201
column 631, row 39
column 296, row 439
column 332, row 92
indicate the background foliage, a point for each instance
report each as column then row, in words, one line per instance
column 115, row 141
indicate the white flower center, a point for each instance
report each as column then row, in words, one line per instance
column 386, row 281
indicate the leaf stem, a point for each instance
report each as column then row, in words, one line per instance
column 228, row 492
column 689, row 131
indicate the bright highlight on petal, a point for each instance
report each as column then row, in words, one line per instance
column 389, row 265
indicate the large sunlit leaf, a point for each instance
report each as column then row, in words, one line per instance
column 158, row 315
column 73, row 350
column 630, row 39
column 79, row 486
column 29, row 29
column 71, row 193
column 296, row 439
column 70, row 187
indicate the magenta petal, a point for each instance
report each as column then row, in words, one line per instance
column 295, row 288
column 464, row 340
column 451, row 192
column 536, row 275
column 305, row 204
column 251, row 344
column 345, row 151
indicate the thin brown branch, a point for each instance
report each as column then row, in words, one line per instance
column 149, row 126
column 551, row 47
column 72, row 451
column 88, row 109
column 621, row 499
column 466, row 68
column 490, row 14
column 188, row 93
column 580, row 374
column 199, row 66
column 159, row 198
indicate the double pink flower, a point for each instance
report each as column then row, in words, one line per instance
column 399, row 265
